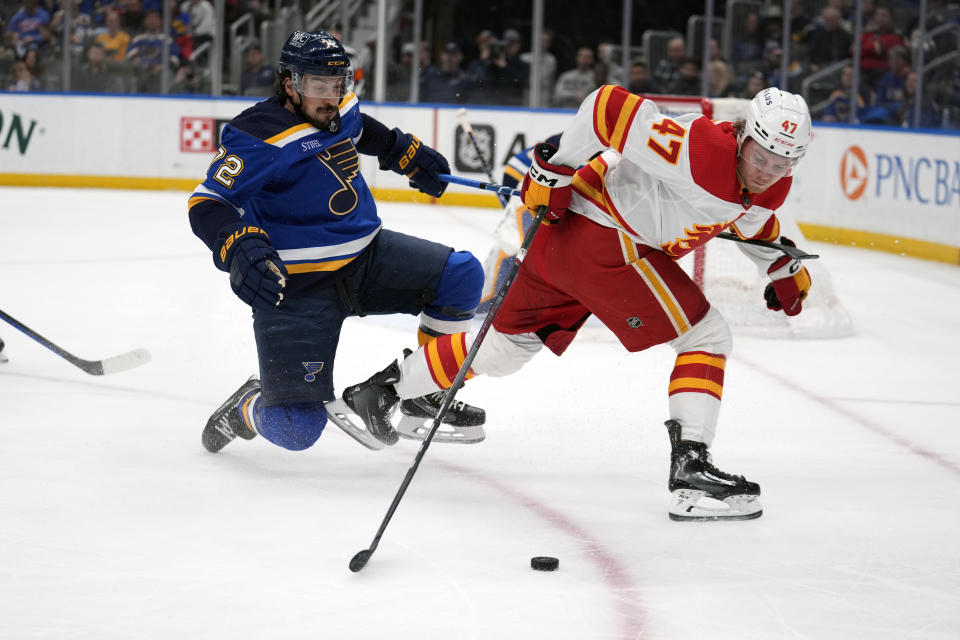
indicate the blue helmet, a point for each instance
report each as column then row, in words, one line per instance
column 316, row 53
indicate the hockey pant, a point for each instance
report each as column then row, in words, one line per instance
column 577, row 268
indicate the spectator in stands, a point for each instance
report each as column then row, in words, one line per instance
column 21, row 79
column 28, row 28
column 203, row 21
column 891, row 90
column 756, row 82
column 720, row 80
column 640, row 80
column 844, row 8
column 771, row 25
column 772, row 56
column 446, row 83
column 499, row 76
column 81, row 28
column 146, row 53
column 114, row 40
column 876, row 44
column 180, row 30
column 132, row 16
column 944, row 88
column 799, row 23
column 257, row 77
column 31, row 59
column 829, row 41
column 189, row 79
column 838, row 108
column 574, row 85
column 398, row 75
column 746, row 49
column 614, row 72
column 548, row 67
column 688, row 82
column 929, row 116
column 667, row 71
column 93, row 74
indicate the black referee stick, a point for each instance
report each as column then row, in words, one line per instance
column 359, row 561
column 113, row 364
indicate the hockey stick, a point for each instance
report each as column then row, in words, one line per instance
column 113, row 364
column 792, row 252
column 465, row 125
column 359, row 561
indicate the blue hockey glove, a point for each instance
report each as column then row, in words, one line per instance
column 257, row 274
column 417, row 161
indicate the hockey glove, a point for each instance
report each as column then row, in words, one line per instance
column 546, row 183
column 417, row 161
column 790, row 283
column 257, row 274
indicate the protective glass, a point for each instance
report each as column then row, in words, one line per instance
column 314, row 86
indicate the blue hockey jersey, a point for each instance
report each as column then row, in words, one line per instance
column 300, row 184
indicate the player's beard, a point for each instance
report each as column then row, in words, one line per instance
column 321, row 117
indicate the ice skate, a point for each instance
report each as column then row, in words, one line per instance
column 374, row 401
column 703, row 492
column 462, row 423
column 228, row 421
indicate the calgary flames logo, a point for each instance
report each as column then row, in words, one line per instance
column 700, row 234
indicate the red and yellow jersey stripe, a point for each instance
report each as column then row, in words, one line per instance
column 613, row 113
column 698, row 372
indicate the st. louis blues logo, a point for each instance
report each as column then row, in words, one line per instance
column 313, row 368
column 344, row 164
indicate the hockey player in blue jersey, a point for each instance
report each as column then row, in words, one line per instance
column 287, row 213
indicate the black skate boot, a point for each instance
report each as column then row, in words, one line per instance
column 703, row 492
column 374, row 401
column 460, row 414
column 228, row 422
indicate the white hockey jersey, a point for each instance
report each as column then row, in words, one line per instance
column 667, row 182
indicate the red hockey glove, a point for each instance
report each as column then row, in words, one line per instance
column 546, row 183
column 790, row 283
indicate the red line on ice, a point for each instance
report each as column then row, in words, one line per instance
column 633, row 617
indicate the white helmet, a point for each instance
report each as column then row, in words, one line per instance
column 780, row 122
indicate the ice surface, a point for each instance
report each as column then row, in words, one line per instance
column 115, row 523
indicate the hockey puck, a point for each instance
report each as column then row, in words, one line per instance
column 544, row 563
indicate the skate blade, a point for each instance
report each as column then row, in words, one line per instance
column 414, row 428
column 339, row 414
column 696, row 506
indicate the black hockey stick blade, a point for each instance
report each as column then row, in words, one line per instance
column 113, row 364
column 360, row 560
column 793, row 252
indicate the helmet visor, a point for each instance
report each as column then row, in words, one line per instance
column 314, row 86
column 765, row 163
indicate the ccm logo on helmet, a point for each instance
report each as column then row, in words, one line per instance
column 786, row 143
column 539, row 177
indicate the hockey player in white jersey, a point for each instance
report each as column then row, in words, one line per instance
column 653, row 189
